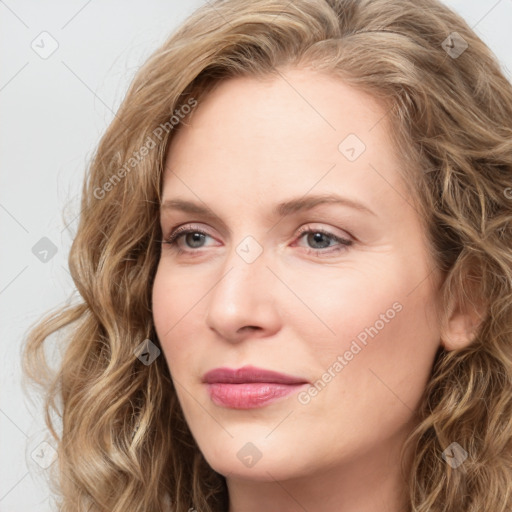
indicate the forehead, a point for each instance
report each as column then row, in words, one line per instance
column 294, row 105
column 288, row 133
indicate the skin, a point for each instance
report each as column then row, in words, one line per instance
column 249, row 145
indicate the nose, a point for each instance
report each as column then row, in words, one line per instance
column 242, row 303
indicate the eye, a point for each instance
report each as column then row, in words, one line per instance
column 319, row 239
column 193, row 235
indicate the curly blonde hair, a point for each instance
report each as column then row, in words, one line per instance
column 124, row 443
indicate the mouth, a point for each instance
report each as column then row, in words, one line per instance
column 249, row 387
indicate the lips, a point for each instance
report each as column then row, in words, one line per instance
column 248, row 374
column 249, row 387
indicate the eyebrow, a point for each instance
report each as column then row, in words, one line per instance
column 281, row 210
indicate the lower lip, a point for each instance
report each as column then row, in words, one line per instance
column 249, row 395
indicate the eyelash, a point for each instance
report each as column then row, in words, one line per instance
column 172, row 239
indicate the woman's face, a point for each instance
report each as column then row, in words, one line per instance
column 270, row 285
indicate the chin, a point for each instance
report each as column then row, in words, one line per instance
column 236, row 462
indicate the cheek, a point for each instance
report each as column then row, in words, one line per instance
column 339, row 306
column 173, row 297
column 170, row 304
column 373, row 320
column 179, row 300
column 387, row 349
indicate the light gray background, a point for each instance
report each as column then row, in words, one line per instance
column 53, row 113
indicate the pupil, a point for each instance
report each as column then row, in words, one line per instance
column 317, row 238
column 196, row 237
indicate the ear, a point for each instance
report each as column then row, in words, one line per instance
column 462, row 321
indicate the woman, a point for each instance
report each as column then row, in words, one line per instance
column 294, row 257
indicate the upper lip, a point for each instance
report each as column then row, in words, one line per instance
column 249, row 374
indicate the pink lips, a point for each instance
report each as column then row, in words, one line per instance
column 249, row 387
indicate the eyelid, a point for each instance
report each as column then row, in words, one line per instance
column 304, row 228
column 328, row 231
column 176, row 231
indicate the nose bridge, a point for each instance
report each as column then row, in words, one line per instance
column 241, row 297
column 244, row 271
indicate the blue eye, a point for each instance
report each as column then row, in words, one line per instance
column 184, row 232
column 320, row 239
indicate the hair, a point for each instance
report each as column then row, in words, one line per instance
column 123, row 442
